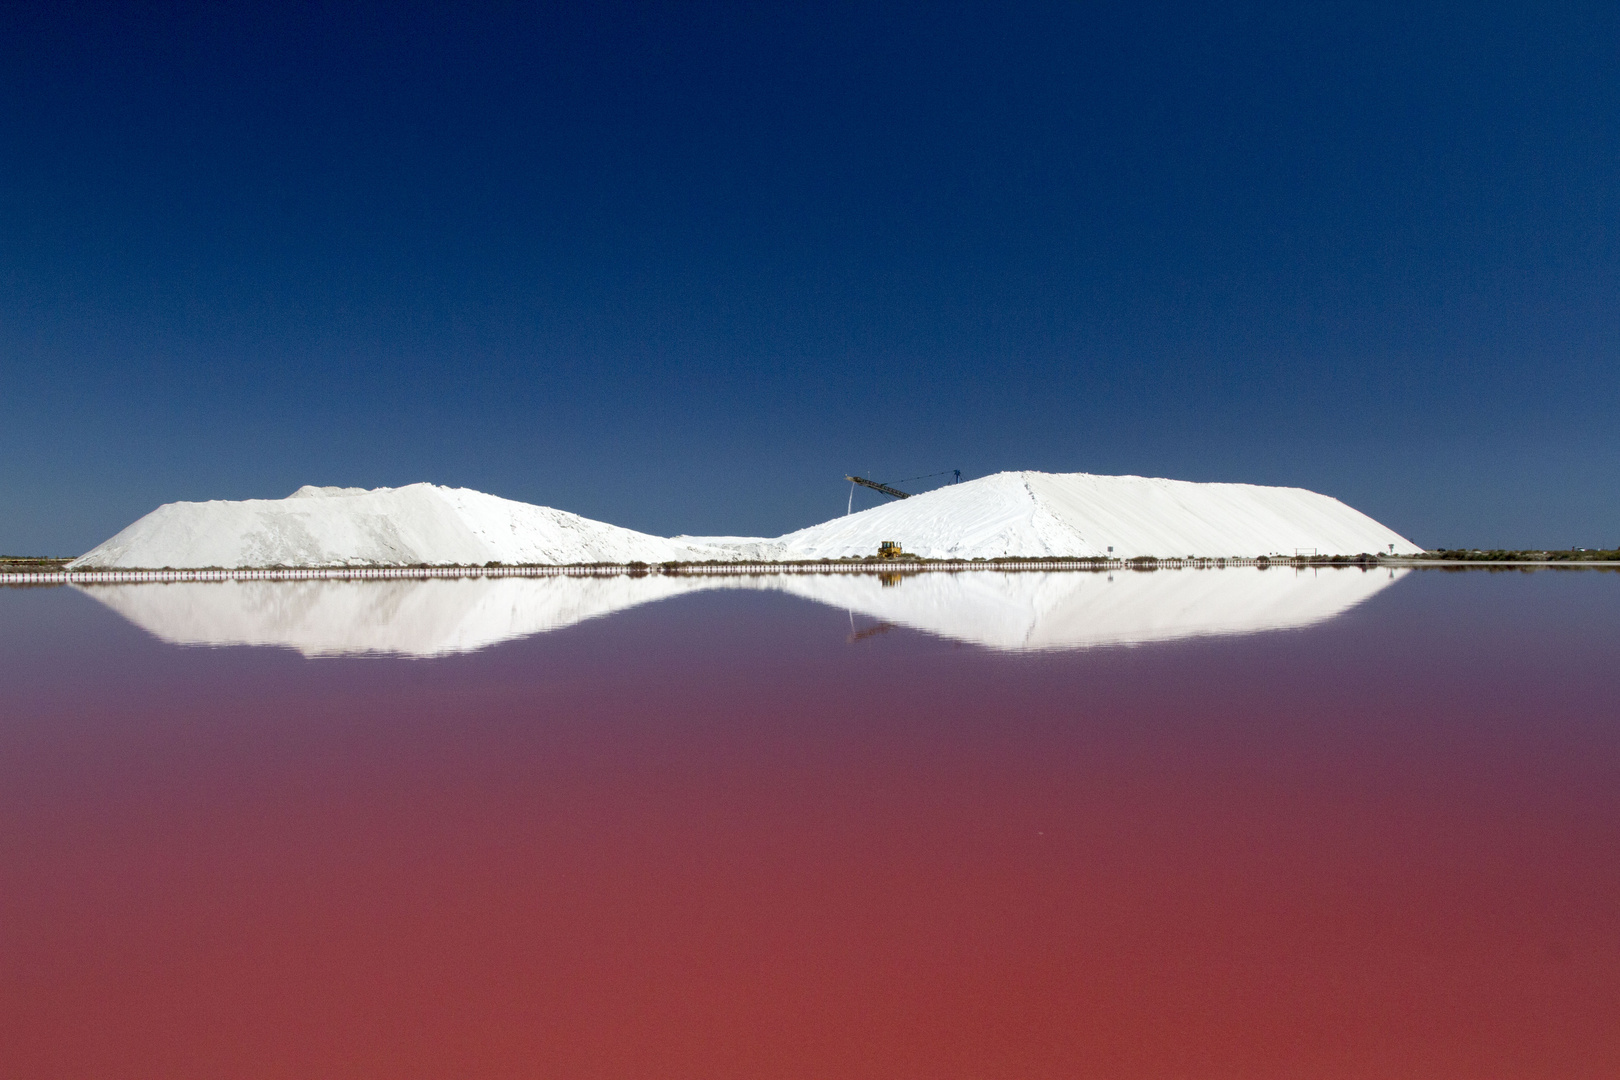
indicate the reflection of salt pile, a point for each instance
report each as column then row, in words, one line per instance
column 1020, row 611
column 1035, row 611
column 385, row 527
column 413, row 617
column 1041, row 514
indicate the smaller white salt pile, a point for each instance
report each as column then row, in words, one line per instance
column 406, row 526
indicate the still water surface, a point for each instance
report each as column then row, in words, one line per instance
column 1173, row 825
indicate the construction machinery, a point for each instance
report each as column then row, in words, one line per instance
column 896, row 493
column 875, row 486
column 890, row 549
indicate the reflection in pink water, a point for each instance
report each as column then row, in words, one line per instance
column 714, row 838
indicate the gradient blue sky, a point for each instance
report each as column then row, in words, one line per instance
column 681, row 267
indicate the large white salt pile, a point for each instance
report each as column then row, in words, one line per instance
column 403, row 526
column 1037, row 514
column 1028, row 514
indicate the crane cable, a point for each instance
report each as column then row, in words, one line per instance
column 850, row 508
column 925, row 476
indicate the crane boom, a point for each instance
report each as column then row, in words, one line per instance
column 875, row 486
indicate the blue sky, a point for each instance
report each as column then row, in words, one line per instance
column 681, row 267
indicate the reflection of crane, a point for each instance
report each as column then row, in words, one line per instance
column 870, row 631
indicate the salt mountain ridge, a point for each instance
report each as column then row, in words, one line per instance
column 1029, row 514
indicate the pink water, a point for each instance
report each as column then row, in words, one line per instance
column 715, row 838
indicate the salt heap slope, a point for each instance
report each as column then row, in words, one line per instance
column 407, row 526
column 1037, row 514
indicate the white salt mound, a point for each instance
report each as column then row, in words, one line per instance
column 1037, row 514
column 1028, row 514
column 403, row 526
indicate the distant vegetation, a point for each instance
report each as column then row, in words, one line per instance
column 18, row 564
column 1502, row 555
